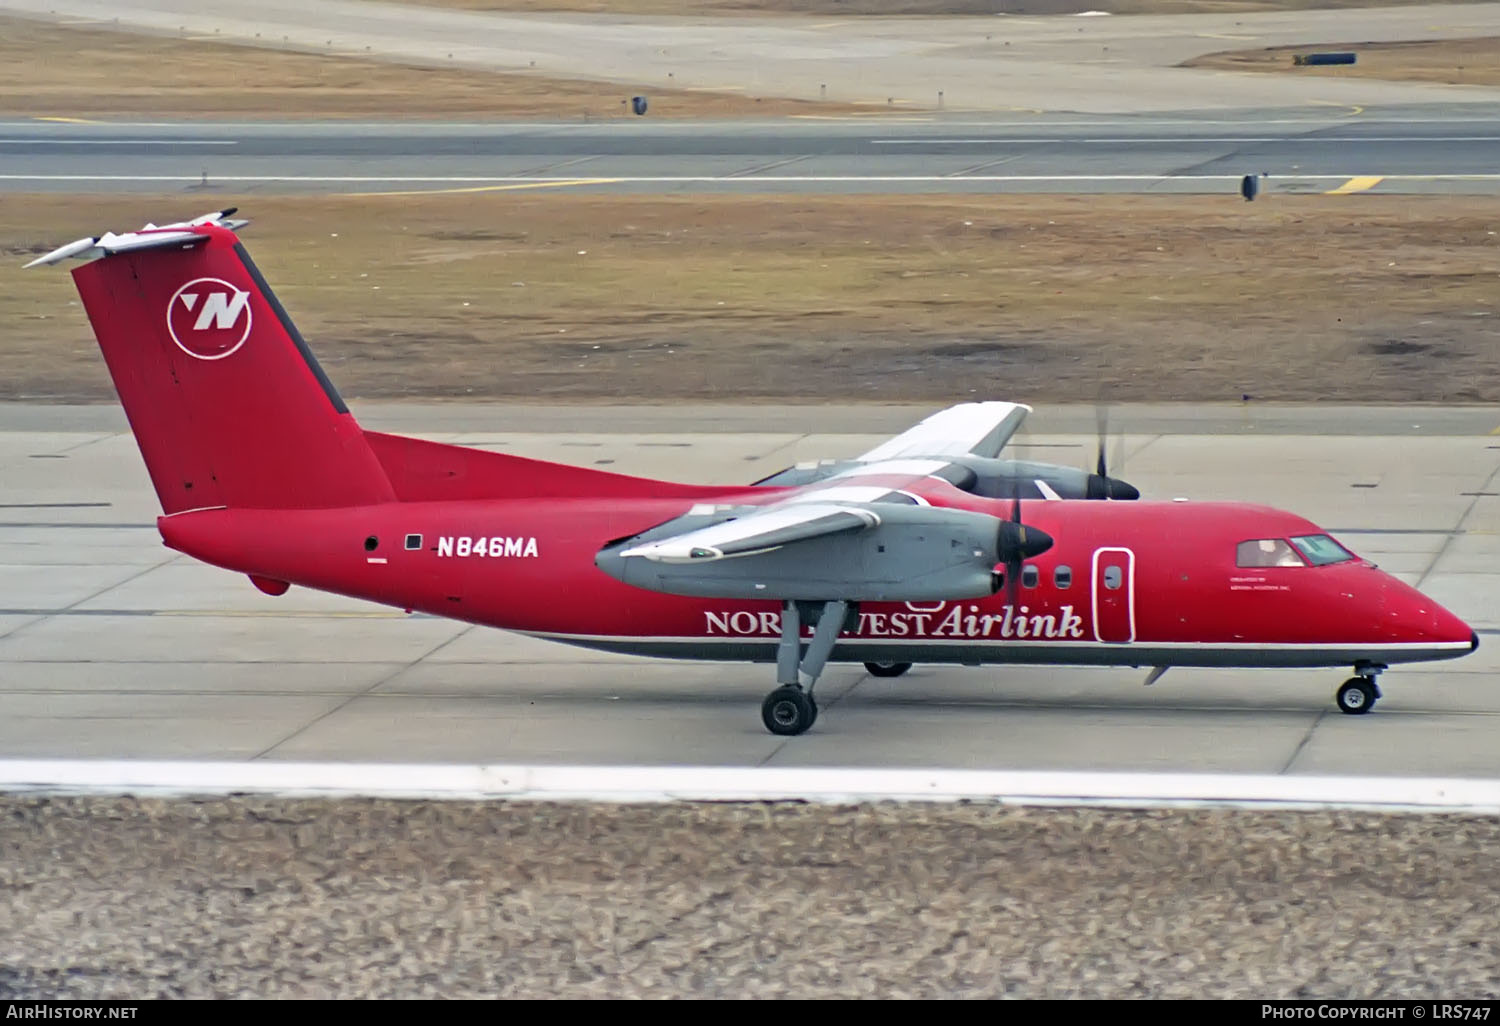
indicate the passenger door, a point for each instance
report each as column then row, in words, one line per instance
column 1114, row 595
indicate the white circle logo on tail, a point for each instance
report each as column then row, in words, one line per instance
column 209, row 318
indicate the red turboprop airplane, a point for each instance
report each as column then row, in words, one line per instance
column 899, row 556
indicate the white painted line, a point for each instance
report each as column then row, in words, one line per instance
column 1331, row 140
column 997, row 140
column 716, row 783
column 694, row 127
column 682, row 179
column 43, row 141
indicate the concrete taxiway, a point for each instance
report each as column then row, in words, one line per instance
column 112, row 646
column 987, row 63
column 1449, row 150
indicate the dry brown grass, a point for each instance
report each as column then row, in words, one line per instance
column 52, row 71
column 1452, row 61
column 884, row 298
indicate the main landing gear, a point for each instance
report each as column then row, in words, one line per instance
column 790, row 709
column 1359, row 693
column 887, row 669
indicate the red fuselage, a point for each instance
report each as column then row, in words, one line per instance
column 261, row 468
column 1126, row 583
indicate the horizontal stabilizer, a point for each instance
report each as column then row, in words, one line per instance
column 150, row 237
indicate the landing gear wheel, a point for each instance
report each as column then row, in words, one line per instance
column 1357, row 696
column 887, row 669
column 788, row 711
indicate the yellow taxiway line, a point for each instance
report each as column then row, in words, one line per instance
column 496, row 188
column 1357, row 184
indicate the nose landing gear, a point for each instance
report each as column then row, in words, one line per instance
column 1359, row 693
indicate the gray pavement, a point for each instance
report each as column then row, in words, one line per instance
column 1109, row 64
column 1446, row 149
column 113, row 646
column 473, row 420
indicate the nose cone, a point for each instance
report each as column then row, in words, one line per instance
column 1100, row 487
column 1412, row 617
column 1450, row 628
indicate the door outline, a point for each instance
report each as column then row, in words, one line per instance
column 1095, row 586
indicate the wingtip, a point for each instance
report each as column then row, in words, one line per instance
column 75, row 248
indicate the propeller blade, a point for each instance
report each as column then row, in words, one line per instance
column 1016, row 543
column 1100, row 484
column 1101, row 425
column 1006, row 546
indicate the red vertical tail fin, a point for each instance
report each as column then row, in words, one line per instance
column 226, row 401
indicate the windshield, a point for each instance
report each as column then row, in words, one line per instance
column 1265, row 552
column 1322, row 550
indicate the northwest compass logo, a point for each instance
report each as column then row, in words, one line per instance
column 209, row 318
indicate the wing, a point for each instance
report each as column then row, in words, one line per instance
column 856, row 542
column 845, row 503
column 969, row 429
column 839, row 501
column 759, row 530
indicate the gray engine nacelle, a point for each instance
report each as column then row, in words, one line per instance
column 915, row 554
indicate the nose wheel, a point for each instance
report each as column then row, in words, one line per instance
column 1358, row 695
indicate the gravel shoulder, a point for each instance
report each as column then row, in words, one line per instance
column 287, row 898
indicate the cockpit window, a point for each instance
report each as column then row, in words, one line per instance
column 1322, row 550
column 1266, row 552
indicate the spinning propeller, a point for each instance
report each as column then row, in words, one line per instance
column 1017, row 543
column 1101, row 485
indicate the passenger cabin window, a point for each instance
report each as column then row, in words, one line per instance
column 1322, row 550
column 1030, row 575
column 1113, row 577
column 1062, row 577
column 413, row 541
column 1266, row 552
